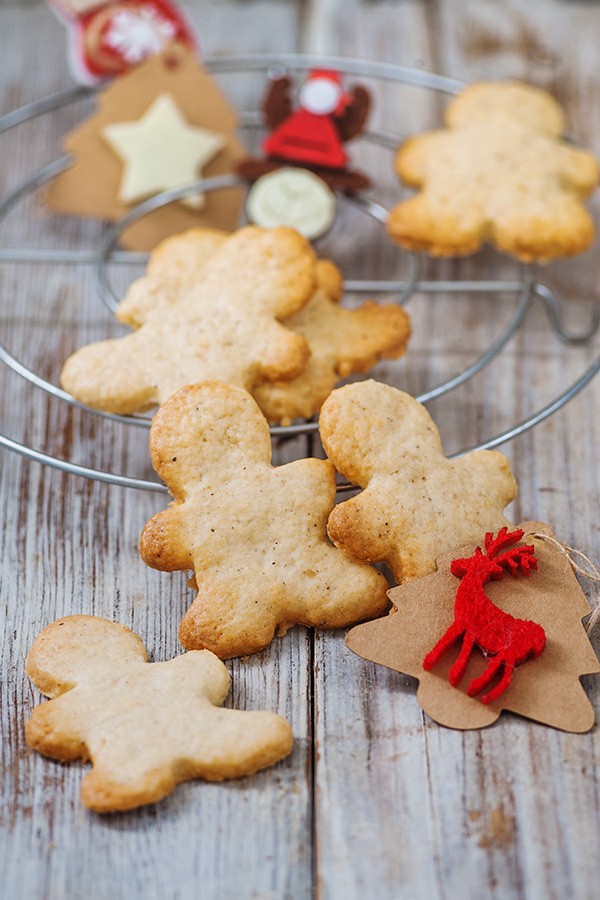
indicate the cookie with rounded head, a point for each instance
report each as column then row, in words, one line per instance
column 178, row 262
column 497, row 173
column 342, row 341
column 145, row 727
column 226, row 326
column 415, row 505
column 254, row 534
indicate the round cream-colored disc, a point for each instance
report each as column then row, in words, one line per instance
column 293, row 197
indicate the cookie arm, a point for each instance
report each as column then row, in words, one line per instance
column 282, row 355
column 142, row 298
column 578, row 170
column 365, row 335
column 329, row 279
column 489, row 472
column 55, row 729
column 164, row 542
column 412, row 159
column 111, row 375
column 357, row 528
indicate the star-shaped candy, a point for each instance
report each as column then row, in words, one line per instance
column 416, row 504
column 254, row 534
column 161, row 150
column 91, row 185
column 146, row 727
column 547, row 689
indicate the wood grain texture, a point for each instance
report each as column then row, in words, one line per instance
column 71, row 546
column 375, row 800
column 405, row 809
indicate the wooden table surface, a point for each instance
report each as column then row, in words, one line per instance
column 376, row 800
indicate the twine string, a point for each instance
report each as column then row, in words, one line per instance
column 592, row 573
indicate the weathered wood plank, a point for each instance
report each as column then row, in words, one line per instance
column 70, row 546
column 406, row 809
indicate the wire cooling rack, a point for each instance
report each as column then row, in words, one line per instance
column 525, row 288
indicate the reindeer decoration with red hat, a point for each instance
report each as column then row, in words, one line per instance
column 314, row 134
column 477, row 621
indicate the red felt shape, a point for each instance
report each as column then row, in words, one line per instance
column 477, row 621
column 307, row 137
column 113, row 36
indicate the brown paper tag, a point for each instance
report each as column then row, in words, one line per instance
column 90, row 187
column 547, row 689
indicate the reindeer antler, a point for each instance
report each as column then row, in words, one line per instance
column 503, row 539
column 518, row 558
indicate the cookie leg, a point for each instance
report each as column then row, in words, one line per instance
column 227, row 623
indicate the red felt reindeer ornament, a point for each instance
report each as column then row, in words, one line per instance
column 548, row 690
column 477, row 621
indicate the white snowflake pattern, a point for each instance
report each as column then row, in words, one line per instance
column 136, row 34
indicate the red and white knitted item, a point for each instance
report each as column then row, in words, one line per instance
column 108, row 38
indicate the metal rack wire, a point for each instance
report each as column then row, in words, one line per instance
column 525, row 288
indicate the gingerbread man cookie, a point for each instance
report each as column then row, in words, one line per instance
column 341, row 341
column 146, row 727
column 225, row 327
column 500, row 173
column 416, row 504
column 254, row 534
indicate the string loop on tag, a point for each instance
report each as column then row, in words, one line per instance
column 592, row 573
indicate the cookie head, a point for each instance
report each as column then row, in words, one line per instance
column 490, row 101
column 367, row 429
column 204, row 428
column 416, row 504
column 63, row 653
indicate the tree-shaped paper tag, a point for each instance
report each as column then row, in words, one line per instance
column 161, row 125
column 543, row 682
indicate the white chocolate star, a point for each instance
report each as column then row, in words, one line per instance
column 161, row 151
